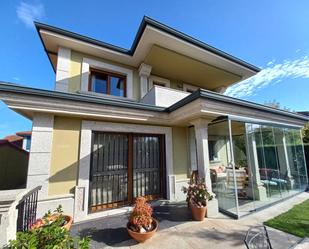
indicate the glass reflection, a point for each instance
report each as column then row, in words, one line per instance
column 255, row 166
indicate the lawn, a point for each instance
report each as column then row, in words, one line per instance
column 295, row 221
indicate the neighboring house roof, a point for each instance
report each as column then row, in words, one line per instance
column 13, row 138
column 201, row 93
column 4, row 142
column 148, row 25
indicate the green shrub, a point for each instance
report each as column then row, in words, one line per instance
column 49, row 236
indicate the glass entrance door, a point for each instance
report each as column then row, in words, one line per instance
column 244, row 174
column 222, row 169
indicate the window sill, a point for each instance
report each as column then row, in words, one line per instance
column 215, row 161
column 102, row 95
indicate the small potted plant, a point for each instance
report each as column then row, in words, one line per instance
column 141, row 225
column 197, row 197
column 57, row 216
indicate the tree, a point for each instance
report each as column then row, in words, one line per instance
column 276, row 104
column 305, row 132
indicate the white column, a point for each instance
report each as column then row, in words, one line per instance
column 257, row 190
column 201, row 136
column 144, row 72
column 40, row 152
column 285, row 163
column 63, row 69
column 203, row 165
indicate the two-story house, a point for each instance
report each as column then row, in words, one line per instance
column 123, row 123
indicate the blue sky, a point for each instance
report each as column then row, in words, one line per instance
column 273, row 35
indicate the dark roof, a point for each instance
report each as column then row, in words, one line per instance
column 201, row 93
column 14, row 88
column 306, row 113
column 151, row 22
column 24, row 133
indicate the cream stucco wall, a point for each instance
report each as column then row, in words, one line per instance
column 65, row 154
column 180, row 153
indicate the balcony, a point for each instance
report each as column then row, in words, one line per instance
column 163, row 96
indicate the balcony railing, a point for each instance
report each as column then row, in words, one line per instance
column 163, row 96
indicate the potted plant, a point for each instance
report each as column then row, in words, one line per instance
column 49, row 232
column 197, row 197
column 141, row 225
column 64, row 221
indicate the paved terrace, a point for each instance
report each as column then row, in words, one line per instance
column 177, row 230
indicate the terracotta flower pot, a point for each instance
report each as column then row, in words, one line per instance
column 67, row 225
column 198, row 213
column 142, row 237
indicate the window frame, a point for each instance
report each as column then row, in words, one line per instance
column 189, row 88
column 95, row 71
column 216, row 158
column 158, row 81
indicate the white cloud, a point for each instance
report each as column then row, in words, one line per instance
column 272, row 74
column 16, row 78
column 28, row 13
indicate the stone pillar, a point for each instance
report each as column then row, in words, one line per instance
column 144, row 72
column 63, row 69
column 255, row 187
column 40, row 152
column 202, row 153
column 192, row 146
column 203, row 164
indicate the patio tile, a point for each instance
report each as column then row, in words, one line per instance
column 177, row 230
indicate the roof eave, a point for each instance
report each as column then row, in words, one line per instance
column 153, row 23
column 202, row 93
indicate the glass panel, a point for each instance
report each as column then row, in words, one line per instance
column 257, row 188
column 99, row 83
column 221, row 170
column 243, row 174
column 292, row 160
column 268, row 164
column 300, row 160
column 282, row 176
column 116, row 86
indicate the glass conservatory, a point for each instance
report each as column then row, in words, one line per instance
column 254, row 164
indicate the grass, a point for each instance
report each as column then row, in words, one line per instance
column 295, row 221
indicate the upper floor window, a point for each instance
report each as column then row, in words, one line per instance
column 107, row 83
column 158, row 81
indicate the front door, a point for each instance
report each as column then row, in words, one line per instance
column 123, row 167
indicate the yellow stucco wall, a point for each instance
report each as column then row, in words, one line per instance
column 180, row 153
column 76, row 68
column 75, row 71
column 65, row 154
